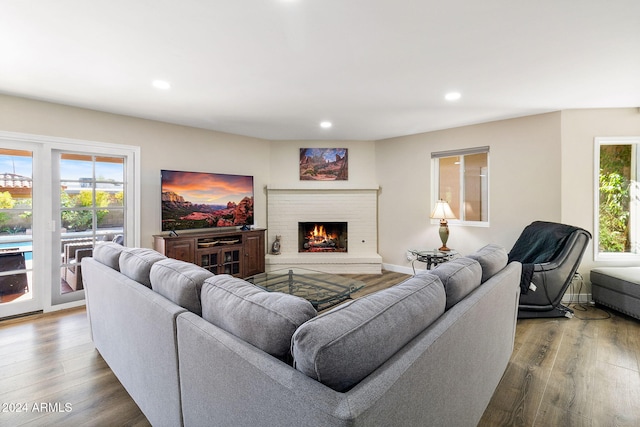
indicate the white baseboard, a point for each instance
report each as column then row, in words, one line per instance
column 397, row 268
column 576, row 298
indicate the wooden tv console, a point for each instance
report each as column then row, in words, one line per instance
column 236, row 252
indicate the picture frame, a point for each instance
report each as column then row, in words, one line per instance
column 324, row 164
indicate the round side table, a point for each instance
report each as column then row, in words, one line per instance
column 432, row 257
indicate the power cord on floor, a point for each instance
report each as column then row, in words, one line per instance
column 586, row 305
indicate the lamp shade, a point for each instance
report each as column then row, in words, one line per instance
column 442, row 211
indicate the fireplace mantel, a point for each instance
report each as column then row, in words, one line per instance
column 306, row 189
column 286, row 207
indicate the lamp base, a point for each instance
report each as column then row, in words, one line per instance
column 444, row 235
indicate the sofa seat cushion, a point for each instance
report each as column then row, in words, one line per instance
column 341, row 347
column 108, row 253
column 180, row 282
column 459, row 276
column 492, row 258
column 135, row 263
column 266, row 320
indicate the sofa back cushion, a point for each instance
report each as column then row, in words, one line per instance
column 341, row 347
column 108, row 253
column 135, row 263
column 492, row 258
column 180, row 282
column 459, row 276
column 266, row 320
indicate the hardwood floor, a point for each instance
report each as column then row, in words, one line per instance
column 50, row 374
column 569, row 372
column 583, row 371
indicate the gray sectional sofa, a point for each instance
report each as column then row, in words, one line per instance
column 196, row 349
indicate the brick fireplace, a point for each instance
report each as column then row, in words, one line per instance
column 347, row 242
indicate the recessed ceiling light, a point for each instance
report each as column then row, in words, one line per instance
column 453, row 96
column 161, row 84
column 326, row 124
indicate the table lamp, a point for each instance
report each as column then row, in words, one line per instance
column 442, row 211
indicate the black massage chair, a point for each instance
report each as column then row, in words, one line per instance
column 550, row 254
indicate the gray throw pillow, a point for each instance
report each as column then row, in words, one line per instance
column 459, row 276
column 108, row 253
column 492, row 258
column 266, row 320
column 180, row 282
column 341, row 347
column 135, row 263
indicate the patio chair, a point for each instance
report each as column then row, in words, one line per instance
column 73, row 254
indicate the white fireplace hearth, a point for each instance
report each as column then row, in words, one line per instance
column 288, row 208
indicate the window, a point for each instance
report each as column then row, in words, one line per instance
column 617, row 223
column 461, row 177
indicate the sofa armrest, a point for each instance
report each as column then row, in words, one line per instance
column 134, row 329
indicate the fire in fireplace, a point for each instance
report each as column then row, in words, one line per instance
column 322, row 237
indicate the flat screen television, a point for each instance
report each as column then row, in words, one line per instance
column 195, row 200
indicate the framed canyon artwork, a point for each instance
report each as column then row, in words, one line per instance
column 324, row 164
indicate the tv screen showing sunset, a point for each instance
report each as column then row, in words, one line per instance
column 192, row 200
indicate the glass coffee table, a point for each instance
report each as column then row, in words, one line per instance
column 322, row 290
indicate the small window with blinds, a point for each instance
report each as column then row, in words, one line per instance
column 461, row 177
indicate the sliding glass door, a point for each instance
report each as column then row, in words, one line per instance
column 91, row 210
column 18, row 292
column 59, row 199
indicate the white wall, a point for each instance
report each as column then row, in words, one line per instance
column 163, row 146
column 579, row 130
column 524, row 184
column 285, row 161
column 541, row 167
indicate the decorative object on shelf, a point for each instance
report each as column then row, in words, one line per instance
column 275, row 248
column 324, row 164
column 229, row 242
column 207, row 243
column 443, row 212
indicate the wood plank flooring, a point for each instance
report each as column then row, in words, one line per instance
column 583, row 371
column 51, row 375
column 563, row 372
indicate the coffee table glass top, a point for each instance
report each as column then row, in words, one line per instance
column 321, row 289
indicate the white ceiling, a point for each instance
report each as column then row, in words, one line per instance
column 274, row 69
